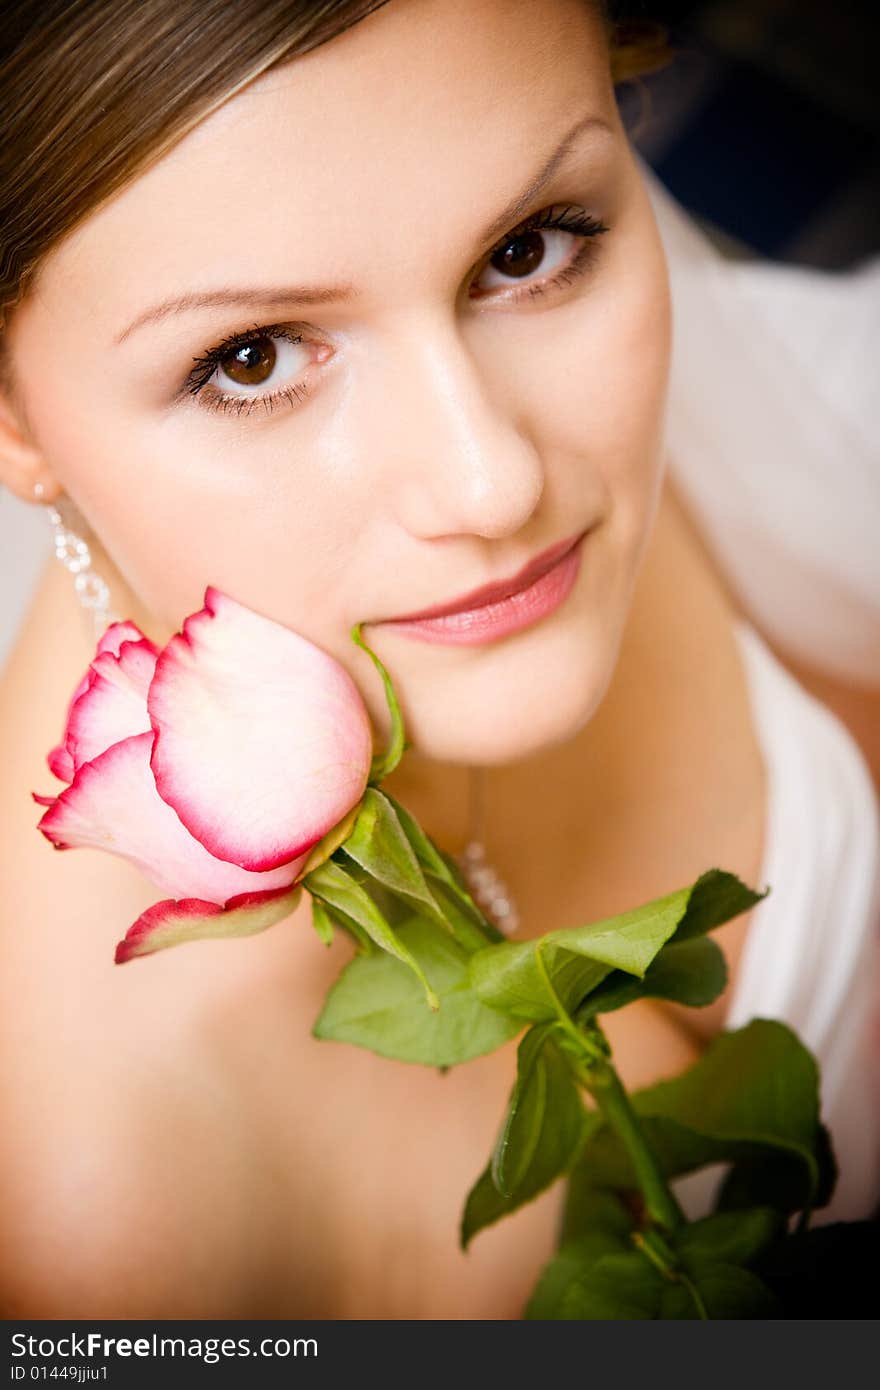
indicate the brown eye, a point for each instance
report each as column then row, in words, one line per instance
column 251, row 363
column 521, row 254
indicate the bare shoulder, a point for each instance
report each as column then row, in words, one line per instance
column 856, row 706
column 127, row 1137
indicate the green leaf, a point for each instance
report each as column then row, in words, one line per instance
column 485, row 1205
column 377, row 1003
column 731, row 1237
column 340, row 891
column 717, row 896
column 526, row 1114
column 751, row 1099
column 384, row 763
column 542, row 1133
column 588, row 1207
column 631, row 940
column 578, row 1285
column 579, row 959
column 759, row 1080
column 508, row 976
column 596, row 1274
column 379, row 845
column 727, row 1291
column 768, row 1179
column 626, row 1287
column 691, row 972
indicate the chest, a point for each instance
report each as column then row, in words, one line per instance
column 359, row 1170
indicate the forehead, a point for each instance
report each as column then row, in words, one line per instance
column 426, row 109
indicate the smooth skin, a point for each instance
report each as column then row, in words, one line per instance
column 176, row 1144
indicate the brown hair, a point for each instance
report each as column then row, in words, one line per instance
column 93, row 91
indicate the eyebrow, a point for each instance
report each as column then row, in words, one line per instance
column 305, row 295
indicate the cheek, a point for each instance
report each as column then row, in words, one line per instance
column 635, row 423
column 604, row 412
column 179, row 502
column 628, row 392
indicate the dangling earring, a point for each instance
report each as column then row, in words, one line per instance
column 74, row 553
column 485, row 883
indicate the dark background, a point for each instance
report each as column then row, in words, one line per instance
column 767, row 122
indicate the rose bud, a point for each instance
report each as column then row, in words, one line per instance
column 225, row 766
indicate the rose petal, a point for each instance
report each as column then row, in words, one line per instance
column 59, row 759
column 141, row 656
column 117, row 633
column 61, row 763
column 263, row 742
column 171, row 923
column 114, row 704
column 112, row 804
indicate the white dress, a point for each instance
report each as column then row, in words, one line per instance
column 773, row 439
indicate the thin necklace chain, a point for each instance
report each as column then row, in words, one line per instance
column 486, row 885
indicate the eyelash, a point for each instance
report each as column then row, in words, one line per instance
column 205, row 366
column 571, row 219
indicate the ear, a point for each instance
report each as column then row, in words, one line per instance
column 22, row 464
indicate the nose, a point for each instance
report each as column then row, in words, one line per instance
column 448, row 434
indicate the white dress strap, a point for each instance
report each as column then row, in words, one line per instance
column 812, row 953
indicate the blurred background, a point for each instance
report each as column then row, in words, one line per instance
column 767, row 123
column 766, row 127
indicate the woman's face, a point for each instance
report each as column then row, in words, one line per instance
column 464, row 399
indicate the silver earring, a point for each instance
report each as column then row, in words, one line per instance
column 483, row 880
column 74, row 553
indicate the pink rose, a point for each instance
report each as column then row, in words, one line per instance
column 225, row 766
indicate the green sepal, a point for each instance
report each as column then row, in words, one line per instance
column 439, row 866
column 469, row 934
column 378, row 843
column 341, row 892
column 403, row 871
column 384, row 763
column 322, row 922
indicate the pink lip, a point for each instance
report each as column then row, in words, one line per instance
column 505, row 606
column 498, row 588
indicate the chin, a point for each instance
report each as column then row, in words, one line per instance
column 517, row 700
